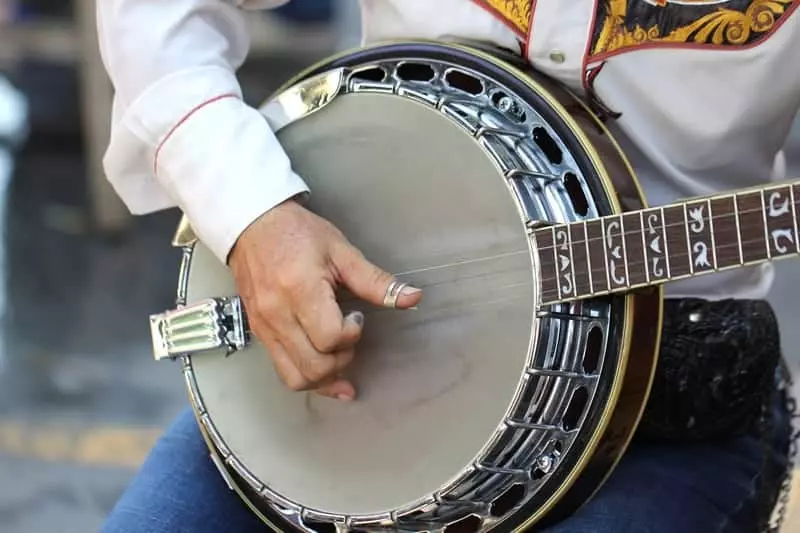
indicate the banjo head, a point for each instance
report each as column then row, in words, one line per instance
column 478, row 408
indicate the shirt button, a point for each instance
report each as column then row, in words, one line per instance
column 557, row 56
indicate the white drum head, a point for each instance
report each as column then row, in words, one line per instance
column 417, row 195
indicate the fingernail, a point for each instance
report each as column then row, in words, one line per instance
column 409, row 290
column 357, row 317
column 345, row 398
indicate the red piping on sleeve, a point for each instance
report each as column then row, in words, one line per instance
column 183, row 120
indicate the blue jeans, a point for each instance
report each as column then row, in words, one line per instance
column 657, row 488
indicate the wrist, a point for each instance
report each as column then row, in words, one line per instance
column 252, row 229
column 225, row 169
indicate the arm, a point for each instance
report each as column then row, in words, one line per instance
column 181, row 134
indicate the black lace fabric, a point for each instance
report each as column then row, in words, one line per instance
column 721, row 375
column 716, row 369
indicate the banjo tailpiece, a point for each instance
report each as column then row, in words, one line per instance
column 211, row 324
column 508, row 397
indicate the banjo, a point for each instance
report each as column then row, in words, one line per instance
column 507, row 398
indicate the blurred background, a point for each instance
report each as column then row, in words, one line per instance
column 81, row 400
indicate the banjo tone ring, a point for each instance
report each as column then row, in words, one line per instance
column 577, row 352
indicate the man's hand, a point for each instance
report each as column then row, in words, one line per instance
column 287, row 266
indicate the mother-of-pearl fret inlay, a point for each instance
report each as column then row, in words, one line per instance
column 700, row 236
column 615, row 251
column 545, row 244
column 563, row 250
column 656, row 245
column 781, row 221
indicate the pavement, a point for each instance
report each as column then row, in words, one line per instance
column 81, row 401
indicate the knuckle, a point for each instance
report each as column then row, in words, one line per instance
column 344, row 359
column 354, row 336
column 318, row 370
column 349, row 337
column 296, row 382
column 381, row 278
column 347, row 256
column 292, row 280
column 268, row 305
column 326, row 346
column 317, row 374
column 332, row 233
column 327, row 341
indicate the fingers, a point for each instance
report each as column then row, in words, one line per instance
column 338, row 389
column 302, row 368
column 321, row 318
column 334, row 387
column 368, row 281
column 351, row 331
column 287, row 266
column 313, row 345
column 284, row 365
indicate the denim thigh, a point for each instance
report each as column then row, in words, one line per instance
column 657, row 487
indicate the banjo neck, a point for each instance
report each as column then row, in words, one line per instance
column 652, row 246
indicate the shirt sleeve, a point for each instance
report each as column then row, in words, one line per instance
column 181, row 135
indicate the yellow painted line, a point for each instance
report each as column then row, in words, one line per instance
column 105, row 446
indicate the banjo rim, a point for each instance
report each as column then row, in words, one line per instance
column 634, row 342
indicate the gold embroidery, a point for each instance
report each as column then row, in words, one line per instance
column 516, row 13
column 721, row 27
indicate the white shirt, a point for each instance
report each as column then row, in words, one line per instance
column 707, row 91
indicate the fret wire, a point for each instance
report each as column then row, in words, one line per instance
column 794, row 214
column 688, row 239
column 605, row 252
column 572, row 261
column 588, row 258
column 665, row 225
column 624, row 250
column 667, row 258
column 713, row 238
column 738, row 227
column 766, row 224
column 644, row 247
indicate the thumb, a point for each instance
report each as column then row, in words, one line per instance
column 368, row 281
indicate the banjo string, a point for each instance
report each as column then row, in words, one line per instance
column 662, row 227
column 600, row 269
column 475, row 304
column 462, row 263
column 593, row 239
column 488, row 274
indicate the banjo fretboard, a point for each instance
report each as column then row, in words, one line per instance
column 661, row 244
